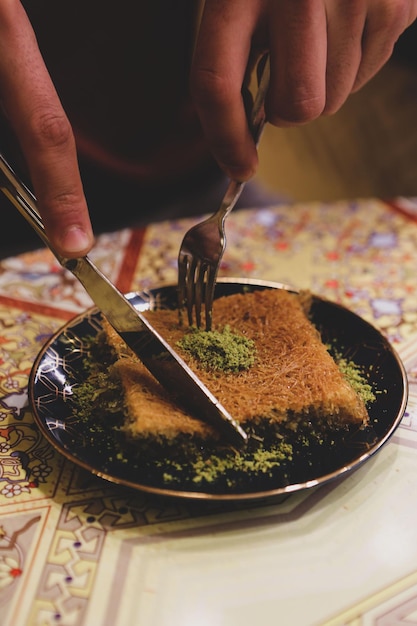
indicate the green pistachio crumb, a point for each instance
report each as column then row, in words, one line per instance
column 222, row 350
column 356, row 378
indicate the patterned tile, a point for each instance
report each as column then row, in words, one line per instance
column 76, row 550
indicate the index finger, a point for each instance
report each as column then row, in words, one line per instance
column 44, row 133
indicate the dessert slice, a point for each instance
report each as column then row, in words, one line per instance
column 292, row 379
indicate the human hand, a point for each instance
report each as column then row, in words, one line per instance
column 33, row 109
column 320, row 52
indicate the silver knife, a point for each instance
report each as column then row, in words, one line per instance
column 154, row 352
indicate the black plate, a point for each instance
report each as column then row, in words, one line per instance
column 58, row 367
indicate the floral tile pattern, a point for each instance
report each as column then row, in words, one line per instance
column 75, row 550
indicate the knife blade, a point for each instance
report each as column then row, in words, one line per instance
column 158, row 356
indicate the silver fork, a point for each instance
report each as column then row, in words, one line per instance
column 203, row 245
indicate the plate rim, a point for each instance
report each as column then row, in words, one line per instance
column 204, row 495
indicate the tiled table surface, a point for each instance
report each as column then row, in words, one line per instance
column 77, row 551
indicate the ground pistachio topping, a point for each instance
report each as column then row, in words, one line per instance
column 223, row 350
column 356, row 378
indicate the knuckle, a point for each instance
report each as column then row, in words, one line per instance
column 51, row 128
column 392, row 18
column 61, row 211
column 64, row 204
column 68, row 201
column 60, row 208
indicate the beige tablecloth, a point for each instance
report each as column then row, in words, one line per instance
column 78, row 551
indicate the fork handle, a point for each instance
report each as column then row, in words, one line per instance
column 257, row 116
column 257, row 123
column 230, row 198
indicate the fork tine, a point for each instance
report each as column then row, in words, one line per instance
column 199, row 290
column 196, row 282
column 185, row 286
column 190, row 287
column 182, row 278
column 211, row 276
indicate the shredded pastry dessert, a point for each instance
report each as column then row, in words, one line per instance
column 293, row 377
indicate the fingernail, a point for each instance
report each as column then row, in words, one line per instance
column 75, row 239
